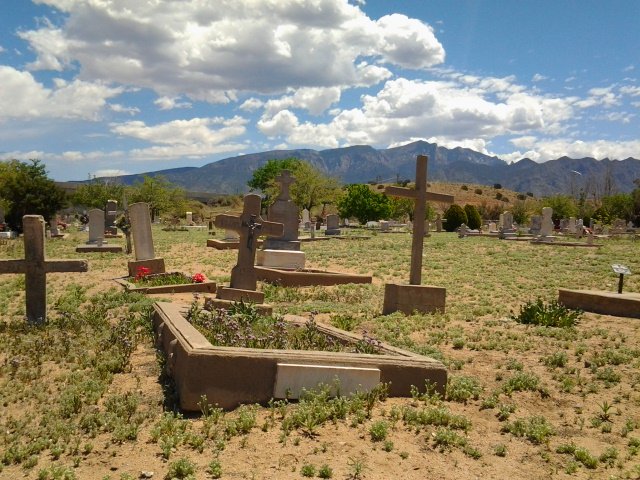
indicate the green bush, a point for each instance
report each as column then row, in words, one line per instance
column 478, row 191
column 455, row 216
column 553, row 314
column 474, row 221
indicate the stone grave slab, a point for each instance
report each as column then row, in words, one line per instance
column 597, row 301
column 201, row 287
column 230, row 376
column 140, row 218
column 286, row 259
column 308, row 277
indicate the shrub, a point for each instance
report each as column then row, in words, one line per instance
column 474, row 220
column 535, row 429
column 553, row 314
column 464, row 187
column 478, row 191
column 498, row 195
column 463, row 388
column 455, row 216
column 497, row 186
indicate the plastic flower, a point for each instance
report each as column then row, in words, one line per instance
column 198, row 278
column 142, row 272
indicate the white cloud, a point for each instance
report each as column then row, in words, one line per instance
column 209, row 51
column 169, row 103
column 109, row 172
column 116, row 107
column 632, row 91
column 539, row 77
column 21, row 96
column 314, row 100
column 251, row 104
column 549, row 149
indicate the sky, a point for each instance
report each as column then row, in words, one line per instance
column 112, row 87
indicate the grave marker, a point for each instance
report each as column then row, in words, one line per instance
column 35, row 267
column 140, row 219
column 284, row 211
column 415, row 296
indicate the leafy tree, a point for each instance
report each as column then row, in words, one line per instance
column 619, row 205
column 474, row 221
column 635, row 195
column 27, row 190
column 264, row 176
column 364, row 204
column 161, row 195
column 96, row 194
column 563, row 207
column 455, row 216
column 310, row 189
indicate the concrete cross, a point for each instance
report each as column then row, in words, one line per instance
column 250, row 226
column 35, row 268
column 420, row 196
column 285, row 179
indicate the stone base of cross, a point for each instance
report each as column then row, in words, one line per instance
column 250, row 226
column 407, row 298
column 35, row 268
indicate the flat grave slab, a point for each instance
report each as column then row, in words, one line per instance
column 230, row 376
column 204, row 287
column 226, row 244
column 566, row 244
column 308, row 277
column 99, row 248
column 597, row 301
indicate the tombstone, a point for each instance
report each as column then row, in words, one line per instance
column 410, row 225
column 564, row 225
column 463, row 230
column 507, row 221
column 53, row 226
column 189, row 218
column 231, row 236
column 284, row 211
column 35, row 267
column 407, row 298
column 536, row 224
column 333, row 227
column 140, row 218
column 438, row 223
column 501, row 221
column 546, row 228
column 579, row 228
column 96, row 225
column 492, row 227
column 111, row 213
column 306, row 219
column 571, row 227
column 250, row 226
column 384, row 226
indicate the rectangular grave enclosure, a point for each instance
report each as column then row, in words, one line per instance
column 230, row 376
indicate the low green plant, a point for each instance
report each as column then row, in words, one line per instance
column 215, row 469
column 308, row 470
column 325, row 471
column 552, row 314
column 536, row 429
column 182, row 469
column 379, row 430
column 463, row 388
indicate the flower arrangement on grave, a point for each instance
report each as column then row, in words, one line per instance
column 145, row 277
column 242, row 326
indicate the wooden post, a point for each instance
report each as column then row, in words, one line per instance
column 35, row 268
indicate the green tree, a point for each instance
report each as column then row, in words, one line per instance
column 474, row 221
column 619, row 205
column 161, row 195
column 455, row 216
column 96, row 193
column 27, row 190
column 361, row 202
column 563, row 207
column 264, row 176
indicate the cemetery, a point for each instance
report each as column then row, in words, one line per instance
column 405, row 354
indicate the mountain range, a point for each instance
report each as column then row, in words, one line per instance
column 362, row 164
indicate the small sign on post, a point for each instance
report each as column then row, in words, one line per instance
column 621, row 270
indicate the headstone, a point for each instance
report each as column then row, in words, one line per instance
column 579, row 228
column 536, row 224
column 35, row 267
column 140, row 218
column 546, row 228
column 250, row 226
column 333, row 225
column 493, row 227
column 189, row 218
column 501, row 221
column 96, row 225
column 463, row 230
column 231, row 236
column 284, row 211
column 438, row 223
column 53, row 226
column 571, row 227
column 384, row 226
column 564, row 225
column 306, row 218
column 111, row 213
column 507, row 221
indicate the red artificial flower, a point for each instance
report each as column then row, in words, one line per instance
column 198, row 278
column 142, row 272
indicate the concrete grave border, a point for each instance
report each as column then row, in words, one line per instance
column 230, row 376
column 205, row 287
column 307, row 277
column 597, row 301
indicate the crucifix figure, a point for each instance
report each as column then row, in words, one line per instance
column 420, row 196
column 35, row 268
column 250, row 226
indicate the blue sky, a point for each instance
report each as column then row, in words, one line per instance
column 107, row 87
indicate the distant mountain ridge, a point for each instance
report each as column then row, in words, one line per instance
column 362, row 163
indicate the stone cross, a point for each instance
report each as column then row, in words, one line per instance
column 285, row 179
column 250, row 226
column 420, row 196
column 35, row 267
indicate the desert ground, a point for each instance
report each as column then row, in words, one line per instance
column 85, row 395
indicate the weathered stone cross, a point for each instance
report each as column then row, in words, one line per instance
column 420, row 195
column 250, row 226
column 285, row 179
column 35, row 268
